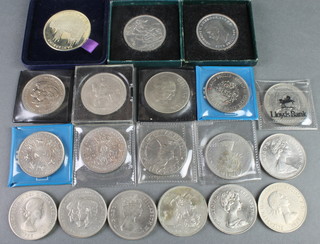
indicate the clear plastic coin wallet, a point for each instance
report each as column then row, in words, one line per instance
column 226, row 93
column 45, row 151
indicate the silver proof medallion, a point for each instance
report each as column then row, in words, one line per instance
column 163, row 152
column 229, row 156
column 103, row 150
column 41, row 154
column 144, row 33
column 43, row 94
column 32, row 215
column 282, row 156
column 217, row 32
column 227, row 92
column 232, row 209
column 286, row 104
column 167, row 92
column 132, row 215
column 282, row 207
column 82, row 213
column 103, row 93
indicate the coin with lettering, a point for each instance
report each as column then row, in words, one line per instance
column 41, row 154
column 217, row 32
column 82, row 213
column 132, row 215
column 182, row 211
column 67, row 30
column 282, row 207
column 232, row 209
column 32, row 215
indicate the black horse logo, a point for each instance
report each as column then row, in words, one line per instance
column 285, row 101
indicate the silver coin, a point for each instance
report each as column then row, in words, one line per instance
column 132, row 215
column 229, row 156
column 167, row 92
column 82, row 213
column 103, row 93
column 217, row 32
column 232, row 209
column 282, row 156
column 282, row 207
column 182, row 211
column 43, row 94
column 163, row 152
column 103, row 150
column 227, row 92
column 32, row 215
column 286, row 104
column 144, row 33
column 41, row 154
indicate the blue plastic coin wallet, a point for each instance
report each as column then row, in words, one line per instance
column 63, row 176
column 208, row 112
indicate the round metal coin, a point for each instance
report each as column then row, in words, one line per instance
column 103, row 93
column 132, row 215
column 282, row 207
column 32, row 215
column 227, row 92
column 82, row 213
column 217, row 32
column 182, row 211
column 41, row 154
column 67, row 30
column 144, row 33
column 232, row 209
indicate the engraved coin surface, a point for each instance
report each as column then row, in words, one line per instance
column 232, row 209
column 82, row 213
column 41, row 154
column 286, row 104
column 282, row 207
column 67, row 30
column 103, row 93
column 217, row 32
column 227, row 92
column 282, row 156
column 167, row 92
column 163, row 152
column 229, row 156
column 43, row 94
column 144, row 33
column 182, row 211
column 132, row 215
column 32, row 215
column 103, row 150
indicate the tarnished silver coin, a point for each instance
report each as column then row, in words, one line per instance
column 282, row 207
column 41, row 154
column 227, row 92
column 282, row 156
column 232, row 209
column 32, row 215
column 67, row 30
column 229, row 156
column 103, row 150
column 43, row 94
column 182, row 211
column 103, row 93
column 286, row 104
column 144, row 33
column 217, row 32
column 163, row 152
column 82, row 213
column 167, row 92
column 132, row 215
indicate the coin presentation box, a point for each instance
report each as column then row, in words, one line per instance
column 37, row 54
column 243, row 52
